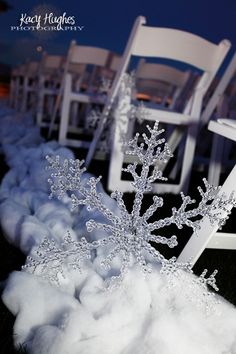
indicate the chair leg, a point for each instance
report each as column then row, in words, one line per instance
column 39, row 115
column 215, row 160
column 23, row 106
column 16, row 93
column 12, row 92
column 73, row 116
column 117, row 157
column 65, row 111
column 188, row 157
column 121, row 126
column 51, row 102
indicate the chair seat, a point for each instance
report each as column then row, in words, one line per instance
column 223, row 128
column 170, row 117
column 165, row 115
column 223, row 240
column 87, row 98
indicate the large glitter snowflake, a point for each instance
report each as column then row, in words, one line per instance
column 132, row 237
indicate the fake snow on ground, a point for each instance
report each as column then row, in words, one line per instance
column 142, row 316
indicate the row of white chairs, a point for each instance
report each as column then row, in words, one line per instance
column 69, row 88
column 60, row 85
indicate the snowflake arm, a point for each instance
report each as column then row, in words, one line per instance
column 67, row 178
column 52, row 261
column 212, row 205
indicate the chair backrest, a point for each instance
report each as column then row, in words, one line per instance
column 52, row 61
column 51, row 65
column 88, row 55
column 32, row 68
column 80, row 58
column 178, row 45
column 173, row 44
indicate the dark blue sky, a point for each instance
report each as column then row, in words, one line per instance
column 107, row 23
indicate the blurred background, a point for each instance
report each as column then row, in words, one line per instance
column 107, row 24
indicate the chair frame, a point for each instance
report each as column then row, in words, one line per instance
column 209, row 61
column 50, row 65
column 79, row 55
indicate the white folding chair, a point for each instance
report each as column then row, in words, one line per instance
column 207, row 236
column 49, row 80
column 76, row 70
column 172, row 44
column 100, row 62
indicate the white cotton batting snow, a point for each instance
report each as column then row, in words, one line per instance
column 142, row 316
